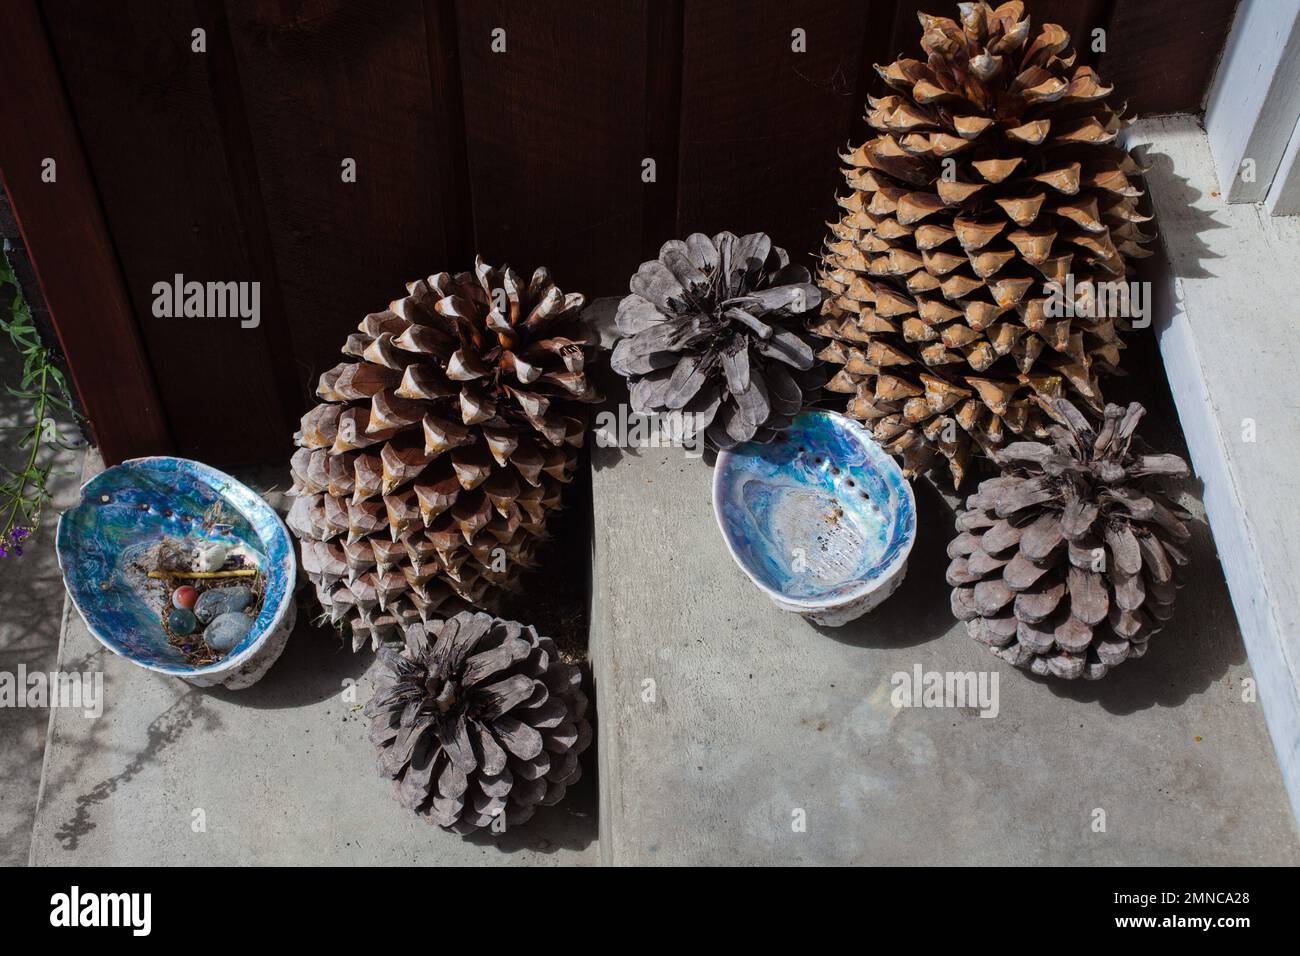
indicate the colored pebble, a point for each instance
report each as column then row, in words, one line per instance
column 182, row 621
column 185, row 596
column 227, row 630
column 212, row 604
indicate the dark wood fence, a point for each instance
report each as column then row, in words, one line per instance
column 226, row 165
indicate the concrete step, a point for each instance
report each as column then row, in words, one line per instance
column 725, row 723
column 1227, row 316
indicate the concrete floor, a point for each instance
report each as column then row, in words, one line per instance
column 768, row 740
column 31, row 599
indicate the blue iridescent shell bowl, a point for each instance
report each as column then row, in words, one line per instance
column 127, row 510
column 821, row 519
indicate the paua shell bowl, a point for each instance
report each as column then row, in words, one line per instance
column 821, row 519
column 124, row 512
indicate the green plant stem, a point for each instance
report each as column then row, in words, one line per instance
column 20, row 497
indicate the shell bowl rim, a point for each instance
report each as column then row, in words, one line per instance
column 213, row 477
column 865, row 587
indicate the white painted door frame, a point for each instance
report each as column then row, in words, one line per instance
column 1252, row 110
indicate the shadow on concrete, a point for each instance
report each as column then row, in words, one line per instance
column 313, row 667
column 165, row 730
column 1182, row 193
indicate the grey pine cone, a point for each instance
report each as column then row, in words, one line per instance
column 477, row 717
column 1066, row 564
column 713, row 327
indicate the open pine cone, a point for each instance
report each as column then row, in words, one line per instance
column 477, row 717
column 995, row 171
column 713, row 328
column 426, row 475
column 1066, row 564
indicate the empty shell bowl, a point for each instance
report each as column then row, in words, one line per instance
column 821, row 519
column 104, row 543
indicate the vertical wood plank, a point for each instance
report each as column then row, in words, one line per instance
column 148, row 114
column 63, row 228
column 1161, row 54
column 556, row 135
column 663, row 118
column 451, row 158
column 761, row 123
column 325, row 81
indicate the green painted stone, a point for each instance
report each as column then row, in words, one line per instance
column 182, row 621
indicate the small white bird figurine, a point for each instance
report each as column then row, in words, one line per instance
column 211, row 555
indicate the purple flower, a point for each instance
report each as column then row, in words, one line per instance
column 9, row 542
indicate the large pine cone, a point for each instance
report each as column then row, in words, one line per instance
column 426, row 476
column 713, row 328
column 995, row 171
column 1066, row 564
column 477, row 717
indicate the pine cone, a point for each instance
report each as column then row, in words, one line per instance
column 477, row 717
column 1066, row 564
column 713, row 328
column 995, row 172
column 426, row 476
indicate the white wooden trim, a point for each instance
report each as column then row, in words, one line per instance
column 1254, row 101
column 1224, row 317
column 1284, row 195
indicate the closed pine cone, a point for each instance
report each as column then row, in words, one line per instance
column 426, row 476
column 1066, row 564
column 477, row 718
column 995, row 171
